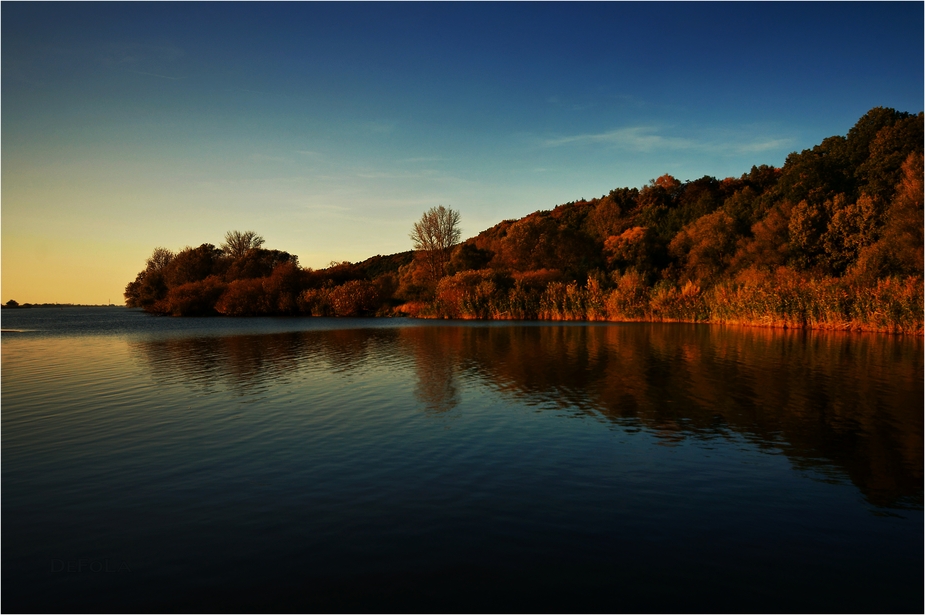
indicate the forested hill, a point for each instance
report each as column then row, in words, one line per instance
column 833, row 239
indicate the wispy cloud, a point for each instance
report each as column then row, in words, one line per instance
column 433, row 176
column 765, row 145
column 640, row 138
column 648, row 139
column 423, row 174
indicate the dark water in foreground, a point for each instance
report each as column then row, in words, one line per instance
column 321, row 464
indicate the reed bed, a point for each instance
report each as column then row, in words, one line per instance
column 892, row 305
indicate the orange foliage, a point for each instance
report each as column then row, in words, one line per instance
column 243, row 298
column 193, row 298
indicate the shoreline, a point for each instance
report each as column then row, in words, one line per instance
column 843, row 327
column 836, row 327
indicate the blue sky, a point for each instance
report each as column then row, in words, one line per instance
column 330, row 128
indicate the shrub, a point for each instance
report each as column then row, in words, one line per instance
column 316, row 302
column 243, row 298
column 355, row 298
column 194, row 298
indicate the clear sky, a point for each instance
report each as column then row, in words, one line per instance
column 330, row 128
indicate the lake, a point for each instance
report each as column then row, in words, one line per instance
column 157, row 464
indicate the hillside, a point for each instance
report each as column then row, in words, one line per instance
column 833, row 239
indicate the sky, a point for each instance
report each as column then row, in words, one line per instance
column 329, row 128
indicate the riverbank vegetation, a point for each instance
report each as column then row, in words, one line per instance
column 831, row 240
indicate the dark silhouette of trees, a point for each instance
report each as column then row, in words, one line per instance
column 193, row 265
column 892, row 145
column 468, row 256
column 865, row 131
column 257, row 263
column 159, row 259
column 150, row 285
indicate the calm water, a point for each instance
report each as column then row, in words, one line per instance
column 324, row 464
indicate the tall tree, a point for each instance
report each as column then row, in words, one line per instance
column 434, row 236
column 238, row 243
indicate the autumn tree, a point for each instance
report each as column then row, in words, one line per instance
column 899, row 251
column 865, row 130
column 882, row 169
column 193, row 264
column 434, row 236
column 633, row 249
column 530, row 244
column 705, row 247
column 611, row 214
column 769, row 244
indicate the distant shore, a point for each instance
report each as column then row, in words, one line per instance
column 59, row 305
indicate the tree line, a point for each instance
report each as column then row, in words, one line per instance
column 832, row 239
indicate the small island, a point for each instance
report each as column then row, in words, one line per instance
column 831, row 240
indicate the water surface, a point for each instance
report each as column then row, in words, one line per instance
column 343, row 464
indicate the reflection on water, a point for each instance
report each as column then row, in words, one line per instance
column 848, row 404
column 325, row 465
column 436, row 353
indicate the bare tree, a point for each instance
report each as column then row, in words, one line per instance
column 238, row 244
column 434, row 237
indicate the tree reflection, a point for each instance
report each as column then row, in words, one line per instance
column 246, row 362
column 824, row 399
column 843, row 403
column 436, row 360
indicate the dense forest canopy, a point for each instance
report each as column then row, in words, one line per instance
column 834, row 239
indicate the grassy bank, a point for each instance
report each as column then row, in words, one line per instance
column 783, row 300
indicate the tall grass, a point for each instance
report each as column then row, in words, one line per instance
column 781, row 299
